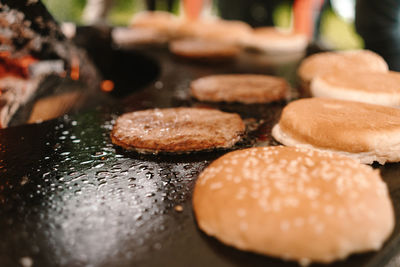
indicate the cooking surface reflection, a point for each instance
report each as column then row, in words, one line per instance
column 68, row 197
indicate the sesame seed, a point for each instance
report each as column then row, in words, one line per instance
column 298, row 222
column 241, row 212
column 285, row 225
column 319, row 228
column 243, row 226
column 329, row 209
column 215, row 186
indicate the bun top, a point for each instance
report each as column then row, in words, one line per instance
column 293, row 203
column 341, row 125
column 277, row 33
column 215, row 30
column 164, row 22
column 347, row 61
column 372, row 82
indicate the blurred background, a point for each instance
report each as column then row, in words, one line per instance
column 336, row 29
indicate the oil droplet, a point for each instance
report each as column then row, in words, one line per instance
column 149, row 175
column 86, row 162
column 26, row 261
column 24, row 180
column 178, row 208
column 99, row 165
column 78, row 192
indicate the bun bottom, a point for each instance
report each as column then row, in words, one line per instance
column 320, row 88
column 381, row 155
column 278, row 47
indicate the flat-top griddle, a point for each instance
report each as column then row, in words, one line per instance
column 69, row 197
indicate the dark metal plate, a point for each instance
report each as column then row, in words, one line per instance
column 68, row 197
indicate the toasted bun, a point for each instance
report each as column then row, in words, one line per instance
column 203, row 49
column 275, row 40
column 163, row 22
column 369, row 87
column 244, row 88
column 364, row 131
column 293, row 203
column 127, row 37
column 177, row 130
column 215, row 30
column 347, row 61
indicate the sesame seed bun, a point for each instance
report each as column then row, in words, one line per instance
column 295, row 204
column 177, row 130
column 369, row 87
column 364, row 131
column 244, row 88
column 345, row 61
column 206, row 50
column 274, row 40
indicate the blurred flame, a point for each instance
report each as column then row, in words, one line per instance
column 107, row 86
column 4, row 54
column 26, row 61
column 74, row 68
column 18, row 66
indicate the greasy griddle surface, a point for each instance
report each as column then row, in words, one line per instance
column 69, row 197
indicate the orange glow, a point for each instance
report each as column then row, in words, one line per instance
column 74, row 68
column 26, row 61
column 304, row 11
column 193, row 8
column 107, row 86
column 5, row 54
column 15, row 66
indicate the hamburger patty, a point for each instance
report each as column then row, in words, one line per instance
column 177, row 130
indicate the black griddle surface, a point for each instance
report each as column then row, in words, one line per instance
column 69, row 197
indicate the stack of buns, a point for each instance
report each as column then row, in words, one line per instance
column 348, row 115
column 315, row 70
column 160, row 27
column 364, row 131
